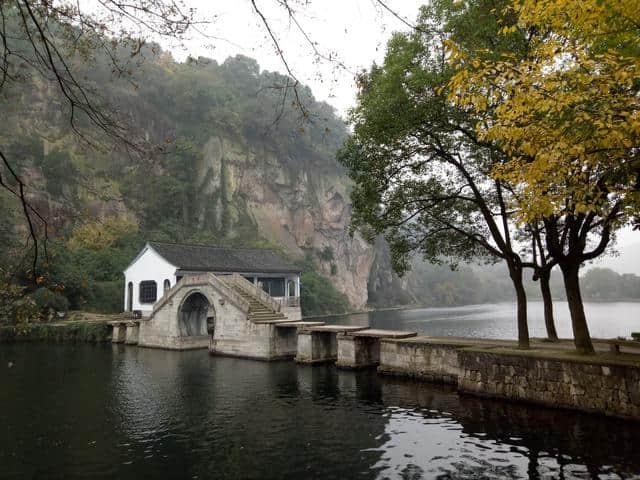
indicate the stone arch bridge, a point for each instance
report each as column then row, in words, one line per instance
column 226, row 313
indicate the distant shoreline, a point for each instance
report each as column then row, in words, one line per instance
column 419, row 306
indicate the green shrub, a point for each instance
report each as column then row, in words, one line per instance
column 16, row 308
column 318, row 296
column 107, row 297
column 48, row 300
column 67, row 332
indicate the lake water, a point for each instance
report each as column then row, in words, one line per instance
column 112, row 411
column 606, row 320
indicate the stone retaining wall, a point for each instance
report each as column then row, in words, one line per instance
column 434, row 362
column 607, row 389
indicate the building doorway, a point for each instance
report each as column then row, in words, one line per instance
column 130, row 297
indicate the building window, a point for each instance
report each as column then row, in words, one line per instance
column 148, row 291
column 273, row 286
column 167, row 285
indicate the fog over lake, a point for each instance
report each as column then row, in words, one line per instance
column 606, row 320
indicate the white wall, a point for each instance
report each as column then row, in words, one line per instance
column 148, row 266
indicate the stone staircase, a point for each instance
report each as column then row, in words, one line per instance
column 258, row 312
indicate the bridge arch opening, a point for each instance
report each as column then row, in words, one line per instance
column 193, row 313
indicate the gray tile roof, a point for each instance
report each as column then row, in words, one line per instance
column 216, row 259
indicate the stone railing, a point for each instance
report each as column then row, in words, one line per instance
column 256, row 292
column 229, row 292
column 288, row 301
column 203, row 279
column 167, row 295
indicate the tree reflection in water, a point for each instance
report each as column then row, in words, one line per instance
column 79, row 411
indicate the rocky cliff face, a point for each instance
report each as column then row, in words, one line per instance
column 385, row 287
column 301, row 205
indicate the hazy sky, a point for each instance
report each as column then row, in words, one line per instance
column 354, row 32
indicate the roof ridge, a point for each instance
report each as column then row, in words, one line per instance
column 207, row 257
column 211, row 246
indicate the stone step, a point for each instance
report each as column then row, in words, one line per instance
column 258, row 312
column 274, row 322
column 266, row 317
column 270, row 312
column 264, row 311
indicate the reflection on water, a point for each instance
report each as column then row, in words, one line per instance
column 606, row 320
column 123, row 412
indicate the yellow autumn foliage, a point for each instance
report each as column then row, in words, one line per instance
column 96, row 235
column 567, row 112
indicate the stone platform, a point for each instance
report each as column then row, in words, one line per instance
column 318, row 344
column 361, row 349
column 299, row 324
column 125, row 331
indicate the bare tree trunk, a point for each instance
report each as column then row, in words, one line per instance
column 581, row 336
column 515, row 272
column 549, row 323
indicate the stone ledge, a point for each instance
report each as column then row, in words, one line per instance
column 335, row 328
column 382, row 334
column 599, row 359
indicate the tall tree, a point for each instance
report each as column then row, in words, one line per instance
column 542, row 266
column 567, row 113
column 422, row 175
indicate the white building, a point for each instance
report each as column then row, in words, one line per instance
column 159, row 266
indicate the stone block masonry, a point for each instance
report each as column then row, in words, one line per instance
column 422, row 358
column 316, row 347
column 319, row 344
column 119, row 334
column 549, row 374
column 361, row 348
column 609, row 388
column 133, row 333
column 357, row 352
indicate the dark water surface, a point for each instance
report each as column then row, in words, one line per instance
column 85, row 411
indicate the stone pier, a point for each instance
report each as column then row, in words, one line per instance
column 119, row 333
column 319, row 344
column 133, row 332
column 361, row 349
column 286, row 336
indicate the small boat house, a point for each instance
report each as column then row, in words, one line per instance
column 160, row 266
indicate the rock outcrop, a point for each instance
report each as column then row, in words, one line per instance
column 299, row 204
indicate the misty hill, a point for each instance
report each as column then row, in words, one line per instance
column 626, row 261
column 238, row 166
